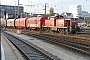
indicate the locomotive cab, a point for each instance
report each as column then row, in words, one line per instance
column 74, row 27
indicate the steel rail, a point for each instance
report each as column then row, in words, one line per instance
column 69, row 44
column 47, row 55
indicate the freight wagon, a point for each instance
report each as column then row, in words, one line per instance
column 20, row 23
column 35, row 22
column 2, row 22
column 11, row 23
column 30, row 23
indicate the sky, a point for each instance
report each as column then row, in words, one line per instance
column 58, row 5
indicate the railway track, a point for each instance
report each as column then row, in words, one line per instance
column 28, row 50
column 73, row 45
column 77, row 44
column 87, row 33
column 80, row 35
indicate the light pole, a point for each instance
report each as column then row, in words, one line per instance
column 18, row 31
column 18, row 8
column 15, row 9
column 26, row 12
column 45, row 8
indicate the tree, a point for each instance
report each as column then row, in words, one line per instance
column 51, row 12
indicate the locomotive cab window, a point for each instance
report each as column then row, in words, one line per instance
column 67, row 23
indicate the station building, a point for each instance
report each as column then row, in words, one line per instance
column 11, row 11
